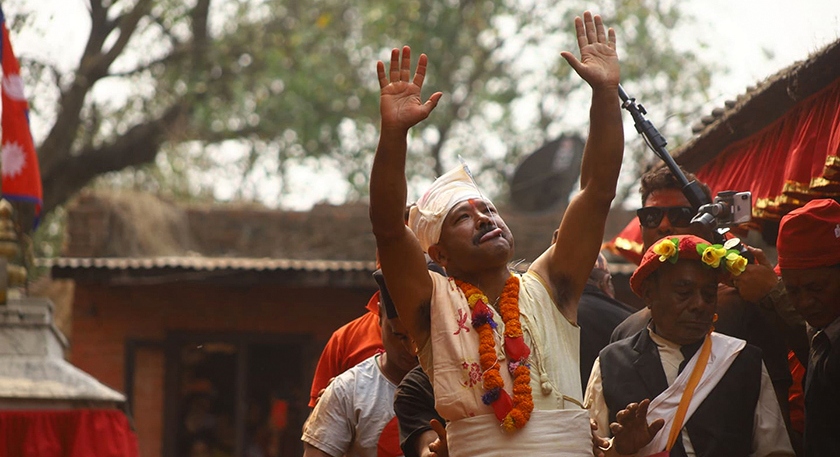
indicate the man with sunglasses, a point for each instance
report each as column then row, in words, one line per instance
column 666, row 212
column 678, row 216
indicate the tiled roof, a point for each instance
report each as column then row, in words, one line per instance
column 206, row 264
column 759, row 106
column 213, row 271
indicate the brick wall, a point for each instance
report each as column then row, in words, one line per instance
column 107, row 226
column 105, row 317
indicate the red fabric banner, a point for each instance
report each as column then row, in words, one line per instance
column 788, row 163
column 21, row 174
column 66, row 433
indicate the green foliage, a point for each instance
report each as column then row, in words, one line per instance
column 287, row 82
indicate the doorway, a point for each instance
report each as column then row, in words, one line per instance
column 235, row 396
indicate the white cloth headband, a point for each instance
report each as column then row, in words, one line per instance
column 426, row 218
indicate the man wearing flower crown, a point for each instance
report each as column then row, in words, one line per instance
column 754, row 307
column 711, row 394
column 501, row 349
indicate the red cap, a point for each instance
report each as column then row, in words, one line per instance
column 809, row 237
column 686, row 247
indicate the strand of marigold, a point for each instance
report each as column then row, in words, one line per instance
column 509, row 307
column 487, row 357
column 486, row 341
column 522, row 400
column 523, row 403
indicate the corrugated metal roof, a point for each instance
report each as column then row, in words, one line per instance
column 207, row 264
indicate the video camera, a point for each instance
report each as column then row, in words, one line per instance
column 728, row 208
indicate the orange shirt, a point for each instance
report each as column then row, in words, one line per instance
column 348, row 346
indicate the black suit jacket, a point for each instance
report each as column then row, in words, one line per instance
column 822, row 407
column 598, row 316
column 631, row 371
column 739, row 319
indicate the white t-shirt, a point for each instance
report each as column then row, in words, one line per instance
column 355, row 408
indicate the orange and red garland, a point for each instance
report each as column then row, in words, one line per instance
column 512, row 413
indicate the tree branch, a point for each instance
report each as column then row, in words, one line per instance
column 138, row 146
column 56, row 149
column 126, row 24
column 201, row 36
column 176, row 54
column 91, row 68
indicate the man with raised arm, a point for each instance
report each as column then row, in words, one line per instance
column 500, row 349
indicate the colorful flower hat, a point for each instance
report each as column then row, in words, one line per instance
column 687, row 247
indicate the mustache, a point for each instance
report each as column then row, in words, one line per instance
column 485, row 229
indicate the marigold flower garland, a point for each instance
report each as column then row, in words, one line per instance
column 513, row 414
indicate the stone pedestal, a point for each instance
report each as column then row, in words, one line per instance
column 33, row 372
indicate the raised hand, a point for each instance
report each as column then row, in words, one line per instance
column 758, row 278
column 632, row 432
column 399, row 102
column 598, row 64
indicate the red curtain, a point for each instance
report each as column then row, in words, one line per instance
column 788, row 163
column 791, row 161
column 66, row 433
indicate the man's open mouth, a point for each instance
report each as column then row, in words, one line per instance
column 495, row 232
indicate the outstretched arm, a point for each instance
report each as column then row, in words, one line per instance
column 400, row 254
column 567, row 263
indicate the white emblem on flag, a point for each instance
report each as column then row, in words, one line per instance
column 13, row 87
column 13, row 159
column 837, row 231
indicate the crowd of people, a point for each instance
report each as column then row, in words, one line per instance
column 460, row 355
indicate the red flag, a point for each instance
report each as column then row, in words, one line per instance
column 21, row 175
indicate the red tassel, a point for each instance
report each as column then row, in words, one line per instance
column 516, row 349
column 503, row 405
column 480, row 308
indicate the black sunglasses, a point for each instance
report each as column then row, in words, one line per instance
column 651, row 216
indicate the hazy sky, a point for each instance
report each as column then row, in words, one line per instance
column 753, row 38
column 756, row 38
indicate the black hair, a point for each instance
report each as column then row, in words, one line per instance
column 662, row 178
column 385, row 301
